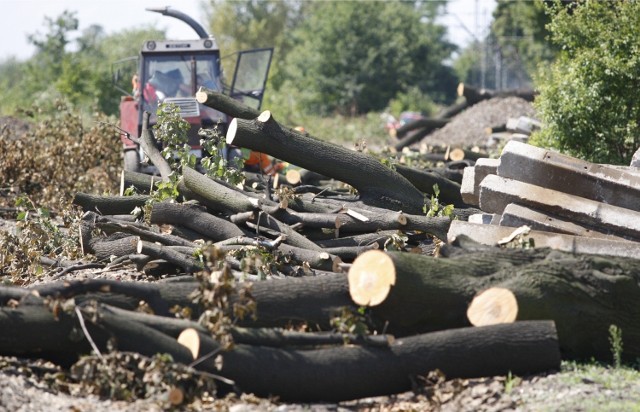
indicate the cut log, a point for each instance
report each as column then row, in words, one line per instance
column 187, row 262
column 194, row 218
column 583, row 294
column 217, row 196
column 371, row 277
column 141, row 182
column 424, row 180
column 376, row 184
column 474, row 95
column 424, row 123
column 225, row 104
column 330, row 374
column 189, row 339
column 148, row 144
column 492, row 306
column 109, row 205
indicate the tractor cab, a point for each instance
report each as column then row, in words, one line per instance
column 171, row 71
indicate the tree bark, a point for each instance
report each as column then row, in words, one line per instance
column 142, row 182
column 352, row 372
column 424, row 180
column 194, row 218
column 474, row 95
column 109, row 205
column 216, row 196
column 225, row 104
column 377, row 184
column 330, row 374
column 583, row 294
column 148, row 144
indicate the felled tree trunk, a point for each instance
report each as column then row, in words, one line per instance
column 194, row 218
column 334, row 373
column 376, row 184
column 352, row 372
column 583, row 294
column 225, row 104
column 109, row 205
column 423, row 127
column 424, row 180
column 473, row 95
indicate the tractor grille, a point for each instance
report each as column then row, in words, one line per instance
column 188, row 106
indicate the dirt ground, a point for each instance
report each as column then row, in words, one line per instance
column 575, row 388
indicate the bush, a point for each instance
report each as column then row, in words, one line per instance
column 589, row 98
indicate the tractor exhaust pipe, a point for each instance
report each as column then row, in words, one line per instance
column 166, row 11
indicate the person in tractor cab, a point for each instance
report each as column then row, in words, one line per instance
column 162, row 85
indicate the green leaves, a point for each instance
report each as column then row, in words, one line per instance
column 588, row 99
column 354, row 59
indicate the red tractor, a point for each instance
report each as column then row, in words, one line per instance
column 171, row 71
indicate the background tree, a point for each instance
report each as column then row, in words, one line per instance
column 354, row 58
column 247, row 24
column 70, row 65
column 589, row 99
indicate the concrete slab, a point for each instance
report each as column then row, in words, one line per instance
column 483, row 218
column 491, row 235
column 497, row 192
column 515, row 215
column 468, row 188
column 566, row 174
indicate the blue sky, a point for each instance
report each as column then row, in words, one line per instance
column 466, row 18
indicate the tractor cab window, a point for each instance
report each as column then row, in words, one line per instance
column 177, row 76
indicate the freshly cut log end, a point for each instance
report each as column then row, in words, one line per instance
column 264, row 116
column 231, row 131
column 176, row 396
column 371, row 277
column 456, row 155
column 493, row 306
column 189, row 338
column 201, row 96
column 293, row 177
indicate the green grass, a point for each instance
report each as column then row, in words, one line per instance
column 590, row 387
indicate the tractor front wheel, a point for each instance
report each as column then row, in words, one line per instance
column 131, row 160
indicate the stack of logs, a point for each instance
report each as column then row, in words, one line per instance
column 464, row 308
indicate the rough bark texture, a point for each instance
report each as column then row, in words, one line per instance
column 225, row 104
column 376, row 184
column 583, row 294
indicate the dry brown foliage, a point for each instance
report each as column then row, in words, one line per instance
column 59, row 154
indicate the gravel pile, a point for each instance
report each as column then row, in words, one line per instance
column 468, row 129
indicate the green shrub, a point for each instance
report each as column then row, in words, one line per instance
column 589, row 97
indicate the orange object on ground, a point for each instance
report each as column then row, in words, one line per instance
column 264, row 162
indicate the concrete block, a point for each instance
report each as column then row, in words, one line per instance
column 515, row 215
column 523, row 124
column 566, row 174
column 468, row 188
column 485, row 167
column 482, row 218
column 491, row 235
column 497, row 192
